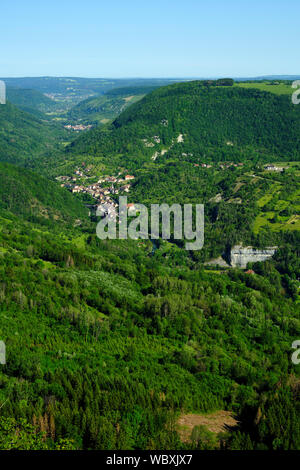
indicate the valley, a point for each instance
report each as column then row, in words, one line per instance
column 112, row 344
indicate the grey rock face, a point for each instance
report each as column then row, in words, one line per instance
column 240, row 256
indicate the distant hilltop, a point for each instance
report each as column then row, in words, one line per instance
column 268, row 77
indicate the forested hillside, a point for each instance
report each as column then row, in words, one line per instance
column 211, row 123
column 36, row 198
column 110, row 343
column 23, row 137
column 30, row 100
column 243, row 204
column 206, row 142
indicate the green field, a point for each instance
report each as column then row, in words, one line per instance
column 272, row 87
column 280, row 203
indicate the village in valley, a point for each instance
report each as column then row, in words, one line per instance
column 101, row 191
column 78, row 127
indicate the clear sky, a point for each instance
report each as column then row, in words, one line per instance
column 149, row 38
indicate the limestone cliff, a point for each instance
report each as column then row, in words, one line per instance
column 240, row 256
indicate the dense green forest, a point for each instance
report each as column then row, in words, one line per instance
column 37, row 198
column 109, row 343
column 30, row 100
column 214, row 123
column 243, row 204
column 200, row 121
column 24, row 137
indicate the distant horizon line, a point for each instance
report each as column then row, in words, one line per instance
column 153, row 78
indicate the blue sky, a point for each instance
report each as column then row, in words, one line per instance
column 165, row 38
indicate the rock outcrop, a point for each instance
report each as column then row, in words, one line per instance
column 240, row 256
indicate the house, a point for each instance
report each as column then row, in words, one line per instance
column 129, row 177
column 273, row 168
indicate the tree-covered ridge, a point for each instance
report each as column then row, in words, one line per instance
column 28, row 99
column 31, row 196
column 24, row 137
column 214, row 122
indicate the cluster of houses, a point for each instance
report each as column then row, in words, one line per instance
column 203, row 165
column 223, row 166
column 226, row 165
column 100, row 192
column 78, row 127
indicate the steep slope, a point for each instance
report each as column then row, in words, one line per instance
column 30, row 100
column 106, row 342
column 173, row 141
column 33, row 197
column 23, row 137
column 209, row 122
column 243, row 203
